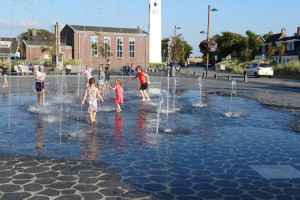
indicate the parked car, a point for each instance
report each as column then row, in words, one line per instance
column 259, row 69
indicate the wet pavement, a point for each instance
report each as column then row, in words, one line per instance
column 227, row 168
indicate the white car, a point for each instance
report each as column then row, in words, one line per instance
column 259, row 69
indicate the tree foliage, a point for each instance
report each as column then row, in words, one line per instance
column 271, row 50
column 40, row 32
column 180, row 49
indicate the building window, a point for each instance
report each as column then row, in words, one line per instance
column 131, row 47
column 94, row 46
column 5, row 44
column 107, row 45
column 290, row 46
column 119, row 47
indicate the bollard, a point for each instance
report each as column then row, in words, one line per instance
column 195, row 74
column 229, row 77
column 203, row 75
column 216, row 76
column 245, row 78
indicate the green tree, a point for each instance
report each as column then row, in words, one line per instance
column 253, row 43
column 281, row 49
column 271, row 51
column 28, row 34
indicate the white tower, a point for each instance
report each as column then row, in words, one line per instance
column 155, row 31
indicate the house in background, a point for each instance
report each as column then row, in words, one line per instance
column 9, row 49
column 94, row 45
column 42, row 48
column 292, row 44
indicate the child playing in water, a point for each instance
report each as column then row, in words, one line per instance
column 88, row 73
column 119, row 93
column 91, row 94
column 144, row 83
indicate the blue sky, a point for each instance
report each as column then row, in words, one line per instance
column 259, row 16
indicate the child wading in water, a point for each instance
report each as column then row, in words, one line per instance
column 91, row 94
column 144, row 83
column 119, row 93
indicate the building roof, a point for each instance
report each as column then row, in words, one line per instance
column 107, row 29
column 40, row 40
column 273, row 38
column 12, row 49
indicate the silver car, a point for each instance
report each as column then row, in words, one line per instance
column 259, row 69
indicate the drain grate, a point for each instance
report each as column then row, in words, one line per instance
column 276, row 171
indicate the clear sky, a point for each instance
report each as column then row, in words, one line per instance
column 259, row 16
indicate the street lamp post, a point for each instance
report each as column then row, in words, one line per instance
column 175, row 28
column 208, row 27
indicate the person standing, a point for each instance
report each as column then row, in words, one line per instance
column 101, row 78
column 119, row 94
column 4, row 74
column 144, row 83
column 68, row 68
column 88, row 73
column 107, row 79
column 91, row 94
column 40, row 77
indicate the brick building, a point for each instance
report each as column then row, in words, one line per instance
column 95, row 45
column 41, row 48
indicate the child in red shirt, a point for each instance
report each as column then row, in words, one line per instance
column 144, row 83
column 119, row 94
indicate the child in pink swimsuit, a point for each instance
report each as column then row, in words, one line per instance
column 91, row 94
column 119, row 94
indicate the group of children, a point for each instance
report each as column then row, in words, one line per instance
column 92, row 92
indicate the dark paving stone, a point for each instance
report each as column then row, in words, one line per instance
column 114, row 176
column 45, row 181
column 86, row 174
column 134, row 173
column 204, row 186
column 154, row 187
column 66, row 178
column 135, row 194
column 209, row 195
column 282, row 185
column 163, row 196
column 39, row 198
column 181, row 191
column 180, row 183
column 61, row 185
column 5, row 180
column 260, row 194
column 23, row 176
column 27, row 164
column 68, row 191
column 180, row 170
column 15, row 196
column 49, row 174
column 4, row 167
column 284, row 197
column 86, row 188
column 160, row 179
column 88, row 180
column 69, row 197
column 232, row 198
column 108, row 184
column 189, row 198
column 261, row 183
column 9, row 188
column 137, row 180
column 246, row 186
column 223, row 176
column 157, row 172
column 50, row 192
column 60, row 167
column 112, row 192
column 202, row 179
column 225, row 183
column 21, row 182
column 292, row 191
column 35, row 170
column 33, row 187
column 6, row 174
column 92, row 196
column 271, row 190
column 11, row 163
column 230, row 191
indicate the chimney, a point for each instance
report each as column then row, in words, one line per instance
column 283, row 32
column 298, row 31
column 270, row 33
column 33, row 32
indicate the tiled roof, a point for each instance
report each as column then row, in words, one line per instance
column 107, row 29
column 14, row 46
column 39, row 39
column 273, row 38
column 296, row 37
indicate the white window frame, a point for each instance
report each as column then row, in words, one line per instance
column 94, row 49
column 107, row 46
column 131, row 47
column 120, row 42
